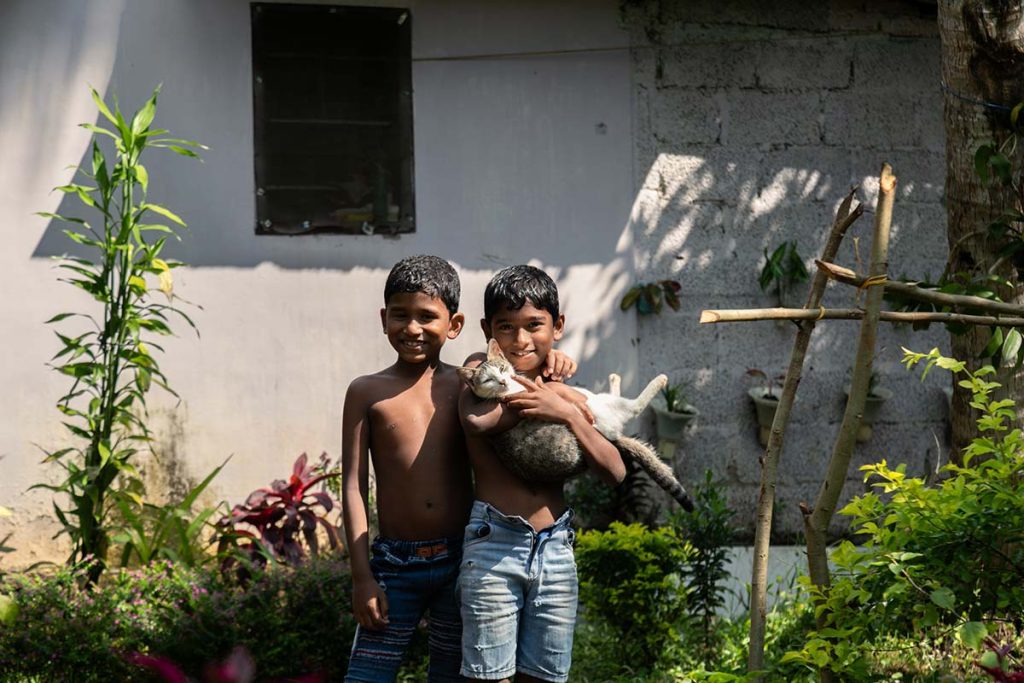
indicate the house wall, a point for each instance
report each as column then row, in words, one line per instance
column 752, row 122
column 522, row 157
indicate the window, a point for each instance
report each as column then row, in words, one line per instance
column 332, row 100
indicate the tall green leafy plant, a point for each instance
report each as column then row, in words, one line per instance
column 110, row 363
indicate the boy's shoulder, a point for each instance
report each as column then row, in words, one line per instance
column 389, row 378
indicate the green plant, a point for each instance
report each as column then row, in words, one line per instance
column 173, row 532
column 783, row 269
column 292, row 620
column 675, row 399
column 648, row 297
column 110, row 364
column 947, row 559
column 631, row 579
column 709, row 531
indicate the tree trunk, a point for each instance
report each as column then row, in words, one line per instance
column 983, row 73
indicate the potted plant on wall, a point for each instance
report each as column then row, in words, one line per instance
column 877, row 396
column 766, row 400
column 673, row 414
column 648, row 297
column 784, row 269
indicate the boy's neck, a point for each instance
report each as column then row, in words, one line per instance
column 427, row 367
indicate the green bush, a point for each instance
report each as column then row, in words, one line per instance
column 631, row 580
column 293, row 620
column 935, row 561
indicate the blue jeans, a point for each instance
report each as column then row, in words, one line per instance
column 518, row 596
column 417, row 576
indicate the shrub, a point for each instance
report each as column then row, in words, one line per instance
column 631, row 579
column 295, row 620
column 935, row 559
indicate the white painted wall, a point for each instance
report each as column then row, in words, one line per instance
column 511, row 166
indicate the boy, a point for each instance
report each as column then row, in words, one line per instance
column 406, row 418
column 517, row 584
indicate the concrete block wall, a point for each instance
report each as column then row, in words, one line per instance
column 752, row 120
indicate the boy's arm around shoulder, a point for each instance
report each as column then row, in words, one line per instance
column 369, row 604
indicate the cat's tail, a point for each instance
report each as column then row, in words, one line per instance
column 638, row 404
column 647, row 458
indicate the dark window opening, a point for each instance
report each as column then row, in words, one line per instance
column 332, row 100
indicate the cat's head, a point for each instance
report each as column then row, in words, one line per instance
column 493, row 377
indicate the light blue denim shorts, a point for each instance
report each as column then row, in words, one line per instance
column 518, row 593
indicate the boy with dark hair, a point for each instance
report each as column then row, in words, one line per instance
column 517, row 584
column 406, row 419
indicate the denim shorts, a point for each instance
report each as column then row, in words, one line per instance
column 417, row 576
column 518, row 594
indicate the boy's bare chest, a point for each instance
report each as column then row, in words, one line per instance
column 414, row 412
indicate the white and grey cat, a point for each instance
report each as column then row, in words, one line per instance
column 546, row 451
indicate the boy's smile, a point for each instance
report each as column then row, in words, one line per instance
column 417, row 325
column 525, row 336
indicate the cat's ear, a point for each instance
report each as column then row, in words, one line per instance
column 467, row 374
column 493, row 350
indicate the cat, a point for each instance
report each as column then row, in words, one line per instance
column 548, row 452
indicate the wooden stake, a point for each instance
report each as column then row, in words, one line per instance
column 770, row 462
column 816, row 521
column 749, row 314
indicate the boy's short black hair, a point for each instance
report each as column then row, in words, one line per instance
column 514, row 286
column 428, row 274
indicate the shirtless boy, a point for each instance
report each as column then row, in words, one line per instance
column 518, row 585
column 406, row 418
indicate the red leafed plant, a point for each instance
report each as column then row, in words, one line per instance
column 274, row 519
column 995, row 663
column 237, row 668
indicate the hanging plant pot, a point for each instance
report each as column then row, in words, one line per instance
column 765, row 404
column 872, row 407
column 671, row 424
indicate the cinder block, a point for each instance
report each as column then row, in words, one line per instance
column 808, row 64
column 758, row 119
column 887, row 65
column 920, row 173
column 725, row 65
column 680, row 118
column 855, row 119
column 712, row 173
column 806, row 172
column 918, row 231
column 782, row 14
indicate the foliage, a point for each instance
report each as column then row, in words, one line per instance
column 1003, row 239
column 172, row 532
column 648, row 297
column 294, row 620
column 631, row 578
column 239, row 667
column 674, row 396
column 110, row 363
column 996, row 662
column 281, row 514
column 948, row 558
column 783, row 269
column 709, row 532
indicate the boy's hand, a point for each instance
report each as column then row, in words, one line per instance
column 558, row 366
column 370, row 604
column 541, row 402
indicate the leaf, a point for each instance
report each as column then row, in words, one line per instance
column 144, row 116
column 994, row 343
column 944, row 598
column 972, row 633
column 142, row 175
column 981, row 158
column 1011, row 347
column 102, row 106
column 166, row 213
column 8, row 610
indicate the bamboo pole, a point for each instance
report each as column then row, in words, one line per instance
column 817, row 521
column 749, row 314
column 770, row 462
column 906, row 289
